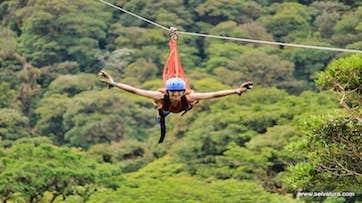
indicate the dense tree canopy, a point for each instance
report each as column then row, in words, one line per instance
column 29, row 171
column 66, row 137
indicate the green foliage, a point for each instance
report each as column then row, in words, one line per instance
column 164, row 180
column 7, row 95
column 50, row 111
column 343, row 76
column 308, row 62
column 13, row 125
column 97, row 117
column 348, row 29
column 221, row 54
column 150, row 44
column 244, row 138
column 327, row 155
column 330, row 150
column 264, row 69
column 275, row 137
column 255, row 30
column 227, row 28
column 135, row 36
column 49, row 73
column 213, row 11
column 325, row 23
column 116, row 61
column 8, row 43
column 171, row 12
column 345, row 72
column 227, row 121
column 208, row 84
column 129, row 155
column 231, row 149
column 145, row 43
column 27, row 171
column 68, row 34
column 330, row 6
column 36, row 141
column 72, row 84
column 142, row 70
column 92, row 117
column 288, row 21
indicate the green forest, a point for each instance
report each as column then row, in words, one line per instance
column 66, row 137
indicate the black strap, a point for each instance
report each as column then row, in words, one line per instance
column 162, row 125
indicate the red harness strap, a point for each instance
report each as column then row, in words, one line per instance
column 173, row 67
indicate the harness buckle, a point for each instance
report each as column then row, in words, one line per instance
column 173, row 33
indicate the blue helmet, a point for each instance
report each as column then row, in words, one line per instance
column 174, row 84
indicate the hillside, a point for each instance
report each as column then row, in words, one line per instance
column 66, row 137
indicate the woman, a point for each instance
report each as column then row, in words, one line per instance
column 174, row 98
column 175, row 90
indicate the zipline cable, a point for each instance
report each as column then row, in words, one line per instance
column 234, row 38
column 272, row 43
column 135, row 15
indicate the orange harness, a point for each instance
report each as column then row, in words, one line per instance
column 172, row 69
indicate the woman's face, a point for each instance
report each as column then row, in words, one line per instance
column 176, row 95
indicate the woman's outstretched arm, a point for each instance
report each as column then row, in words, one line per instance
column 156, row 95
column 194, row 96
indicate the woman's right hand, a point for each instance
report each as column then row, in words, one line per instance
column 106, row 78
column 244, row 87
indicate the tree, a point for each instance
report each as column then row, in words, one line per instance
column 288, row 21
column 7, row 95
column 49, row 73
column 174, row 185
column 146, row 44
column 29, row 87
column 203, row 144
column 220, row 54
column 327, row 14
column 327, row 157
column 214, row 12
column 243, row 138
column 227, row 28
column 142, row 70
column 116, row 61
column 54, row 31
column 343, row 77
column 13, row 125
column 105, row 116
column 8, row 43
column 129, row 155
column 255, row 30
column 50, row 111
column 28, row 171
column 169, row 13
column 308, row 62
column 263, row 69
column 136, row 37
column 325, row 23
column 348, row 29
column 330, row 158
column 330, row 6
column 72, row 84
